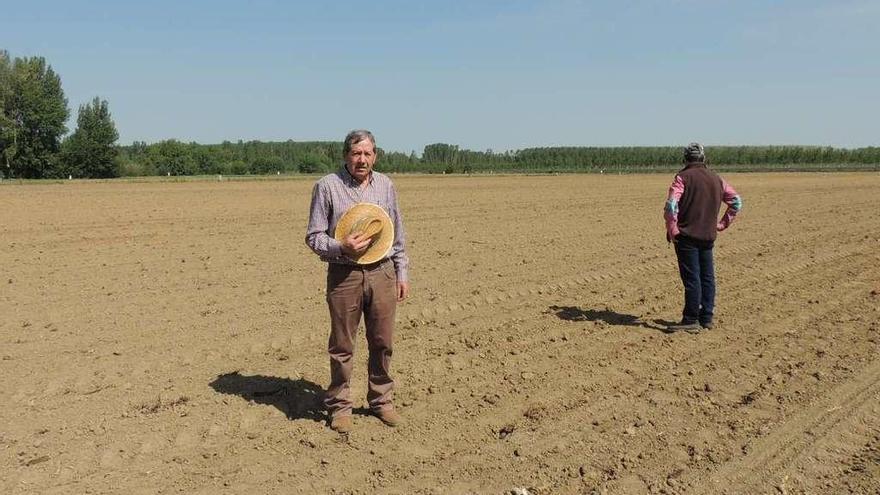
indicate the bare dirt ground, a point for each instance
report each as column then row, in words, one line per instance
column 170, row 338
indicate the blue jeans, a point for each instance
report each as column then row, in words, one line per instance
column 697, row 272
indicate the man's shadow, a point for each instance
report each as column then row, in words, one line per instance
column 298, row 399
column 571, row 313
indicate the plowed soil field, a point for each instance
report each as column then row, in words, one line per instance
column 166, row 337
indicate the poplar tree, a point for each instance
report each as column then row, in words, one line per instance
column 7, row 131
column 34, row 115
column 91, row 150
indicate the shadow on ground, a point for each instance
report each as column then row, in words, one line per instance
column 298, row 399
column 571, row 313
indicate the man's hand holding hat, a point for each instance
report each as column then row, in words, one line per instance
column 365, row 233
column 355, row 244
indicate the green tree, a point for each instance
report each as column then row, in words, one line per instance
column 35, row 111
column 440, row 153
column 313, row 163
column 171, row 157
column 91, row 150
column 266, row 165
column 7, row 130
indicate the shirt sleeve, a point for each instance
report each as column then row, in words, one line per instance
column 670, row 210
column 398, row 249
column 317, row 237
column 734, row 205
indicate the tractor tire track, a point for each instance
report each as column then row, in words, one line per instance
column 801, row 436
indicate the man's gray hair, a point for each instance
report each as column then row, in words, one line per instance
column 694, row 153
column 355, row 137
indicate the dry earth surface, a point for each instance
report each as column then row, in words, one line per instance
column 170, row 338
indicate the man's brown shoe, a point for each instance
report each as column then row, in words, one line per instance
column 388, row 416
column 341, row 424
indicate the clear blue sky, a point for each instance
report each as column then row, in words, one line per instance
column 499, row 74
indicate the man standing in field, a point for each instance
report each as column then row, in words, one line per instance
column 366, row 275
column 692, row 224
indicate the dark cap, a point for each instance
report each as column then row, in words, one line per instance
column 694, row 153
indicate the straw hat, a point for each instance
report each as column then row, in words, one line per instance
column 373, row 220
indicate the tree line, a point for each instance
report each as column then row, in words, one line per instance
column 34, row 144
column 255, row 157
column 33, row 126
